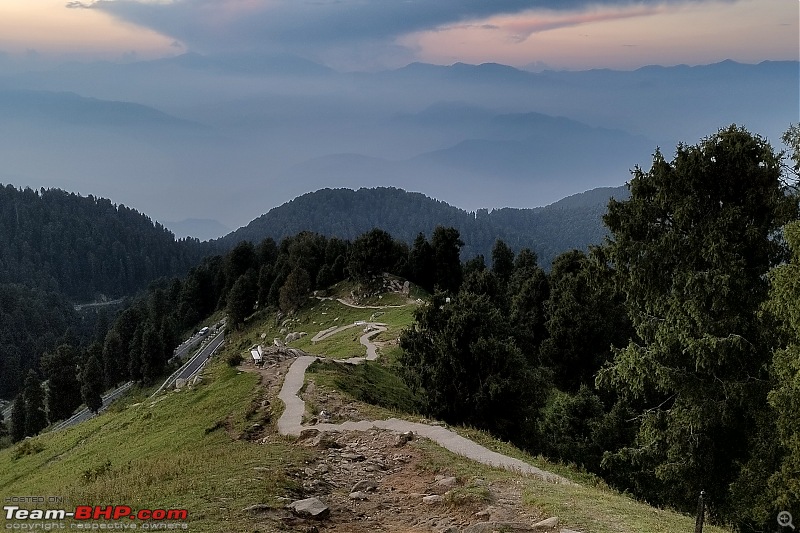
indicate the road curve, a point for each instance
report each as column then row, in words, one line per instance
column 290, row 422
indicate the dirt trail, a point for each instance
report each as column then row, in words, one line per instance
column 290, row 422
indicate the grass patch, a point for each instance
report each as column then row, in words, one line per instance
column 580, row 507
column 180, row 452
column 369, row 382
column 469, row 496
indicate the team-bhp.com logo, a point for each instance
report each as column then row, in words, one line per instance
column 16, row 517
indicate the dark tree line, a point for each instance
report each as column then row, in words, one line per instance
column 665, row 360
column 84, row 247
column 58, row 248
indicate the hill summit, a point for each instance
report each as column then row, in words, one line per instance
column 571, row 223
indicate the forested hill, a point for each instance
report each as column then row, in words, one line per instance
column 84, row 247
column 574, row 222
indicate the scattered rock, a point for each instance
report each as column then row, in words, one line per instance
column 323, row 440
column 308, row 433
column 310, row 508
column 366, row 485
column 403, row 438
column 358, row 495
column 549, row 523
column 356, row 457
column 447, row 482
column 432, row 499
column 180, row 383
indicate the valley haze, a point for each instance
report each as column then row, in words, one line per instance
column 229, row 137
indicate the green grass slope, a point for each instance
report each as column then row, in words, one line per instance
column 181, row 450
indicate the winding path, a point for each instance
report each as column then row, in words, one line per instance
column 356, row 306
column 290, row 422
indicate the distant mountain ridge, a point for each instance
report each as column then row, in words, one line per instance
column 70, row 108
column 574, row 222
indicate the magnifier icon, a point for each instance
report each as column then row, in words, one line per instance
column 785, row 519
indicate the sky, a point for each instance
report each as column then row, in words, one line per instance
column 379, row 34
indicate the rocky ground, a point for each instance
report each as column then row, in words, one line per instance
column 378, row 481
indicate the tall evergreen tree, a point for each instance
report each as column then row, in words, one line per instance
column 420, row 263
column 502, row 261
column 242, row 298
column 372, row 254
column 33, row 399
column 585, row 317
column 152, row 354
column 114, row 369
column 17, row 424
column 692, row 248
column 446, row 244
column 461, row 356
column 784, row 303
column 60, row 368
column 92, row 383
column 294, row 290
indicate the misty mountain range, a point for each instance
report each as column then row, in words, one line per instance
column 228, row 138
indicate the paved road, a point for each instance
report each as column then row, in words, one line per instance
column 290, row 423
column 195, row 363
column 187, row 345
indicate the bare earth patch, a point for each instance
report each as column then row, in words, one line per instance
column 374, row 480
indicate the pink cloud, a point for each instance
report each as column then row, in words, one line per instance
column 521, row 27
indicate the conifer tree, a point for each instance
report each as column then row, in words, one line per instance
column 60, row 368
column 692, row 247
column 17, row 423
column 33, row 398
column 92, row 383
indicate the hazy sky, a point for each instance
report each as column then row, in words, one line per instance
column 372, row 34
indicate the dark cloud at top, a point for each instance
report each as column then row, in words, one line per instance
column 316, row 26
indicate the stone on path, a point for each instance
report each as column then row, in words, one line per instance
column 549, row 523
column 366, row 485
column 403, row 438
column 310, row 508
